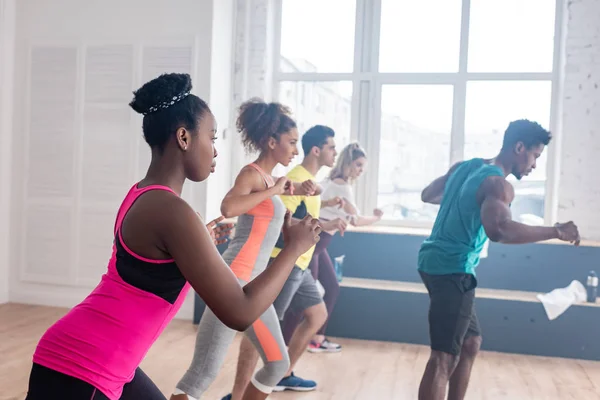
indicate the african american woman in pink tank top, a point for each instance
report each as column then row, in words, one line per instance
column 161, row 247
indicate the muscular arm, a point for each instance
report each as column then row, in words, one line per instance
column 189, row 243
column 248, row 191
column 435, row 190
column 496, row 195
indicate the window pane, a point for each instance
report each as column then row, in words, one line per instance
column 322, row 103
column 416, row 121
column 490, row 107
column 511, row 35
column 317, row 35
column 415, row 39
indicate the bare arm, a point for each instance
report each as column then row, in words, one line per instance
column 496, row 195
column 435, row 190
column 337, row 224
column 343, row 198
column 361, row 220
column 306, row 188
column 187, row 240
column 334, row 202
column 247, row 192
column 349, row 208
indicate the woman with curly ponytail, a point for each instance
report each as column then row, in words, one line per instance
column 270, row 131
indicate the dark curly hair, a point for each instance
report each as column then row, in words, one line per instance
column 259, row 121
column 528, row 132
column 167, row 105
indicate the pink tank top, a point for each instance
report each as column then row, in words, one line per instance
column 104, row 339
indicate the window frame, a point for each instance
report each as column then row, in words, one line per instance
column 367, row 84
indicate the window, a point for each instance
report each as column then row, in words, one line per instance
column 511, row 36
column 421, row 90
column 415, row 39
column 308, row 101
column 317, row 36
column 414, row 147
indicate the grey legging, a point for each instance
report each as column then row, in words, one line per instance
column 213, row 341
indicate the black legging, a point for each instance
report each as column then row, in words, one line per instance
column 322, row 269
column 47, row 384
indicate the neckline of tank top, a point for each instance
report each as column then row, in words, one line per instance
column 137, row 188
column 489, row 164
column 267, row 177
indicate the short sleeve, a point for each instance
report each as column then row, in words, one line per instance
column 291, row 202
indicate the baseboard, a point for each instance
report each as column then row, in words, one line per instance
column 68, row 297
column 4, row 295
column 47, row 295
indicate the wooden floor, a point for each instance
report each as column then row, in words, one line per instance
column 363, row 370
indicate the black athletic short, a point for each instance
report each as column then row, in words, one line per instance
column 47, row 384
column 452, row 315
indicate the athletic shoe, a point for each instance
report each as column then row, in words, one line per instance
column 324, row 347
column 228, row 397
column 295, row 383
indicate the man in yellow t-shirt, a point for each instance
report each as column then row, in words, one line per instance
column 300, row 293
column 300, row 206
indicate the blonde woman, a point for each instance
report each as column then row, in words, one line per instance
column 337, row 201
column 350, row 165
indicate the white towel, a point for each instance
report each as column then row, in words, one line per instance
column 557, row 301
column 484, row 250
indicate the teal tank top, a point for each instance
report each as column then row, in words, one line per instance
column 458, row 237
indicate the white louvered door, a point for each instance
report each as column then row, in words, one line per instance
column 84, row 150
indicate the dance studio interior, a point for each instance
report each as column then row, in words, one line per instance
column 411, row 97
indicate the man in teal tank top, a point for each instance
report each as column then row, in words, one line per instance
column 474, row 198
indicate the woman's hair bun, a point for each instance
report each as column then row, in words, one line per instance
column 161, row 92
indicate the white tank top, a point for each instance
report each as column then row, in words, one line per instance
column 333, row 189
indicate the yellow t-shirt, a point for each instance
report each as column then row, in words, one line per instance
column 299, row 207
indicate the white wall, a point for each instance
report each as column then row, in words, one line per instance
column 579, row 190
column 76, row 65
column 7, row 41
column 221, row 102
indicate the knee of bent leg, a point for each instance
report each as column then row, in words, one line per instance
column 281, row 367
column 273, row 371
column 316, row 315
column 443, row 363
column 471, row 346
